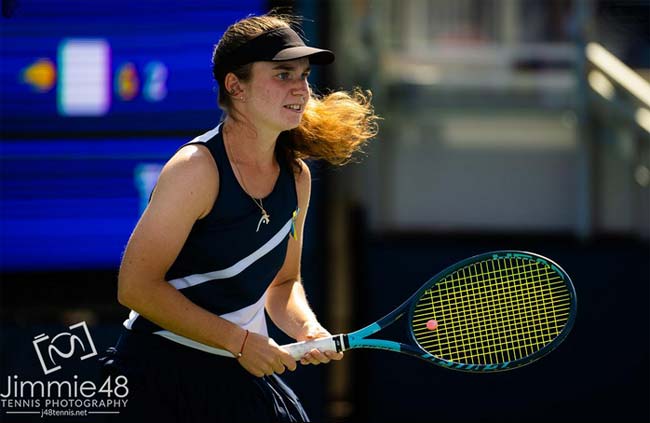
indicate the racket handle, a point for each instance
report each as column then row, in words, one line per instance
column 330, row 343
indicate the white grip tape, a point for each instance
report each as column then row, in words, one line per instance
column 299, row 349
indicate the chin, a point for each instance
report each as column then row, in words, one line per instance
column 287, row 123
column 292, row 125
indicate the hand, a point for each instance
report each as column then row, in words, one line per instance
column 263, row 356
column 310, row 331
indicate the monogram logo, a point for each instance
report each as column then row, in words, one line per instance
column 50, row 353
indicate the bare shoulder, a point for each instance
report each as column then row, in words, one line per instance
column 303, row 176
column 191, row 172
column 193, row 158
column 303, row 183
column 191, row 163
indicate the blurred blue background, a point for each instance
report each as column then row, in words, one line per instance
column 507, row 124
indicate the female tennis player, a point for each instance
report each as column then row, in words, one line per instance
column 220, row 241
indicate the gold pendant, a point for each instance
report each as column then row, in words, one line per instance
column 265, row 218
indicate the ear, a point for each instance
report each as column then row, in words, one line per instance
column 232, row 84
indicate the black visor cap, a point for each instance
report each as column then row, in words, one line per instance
column 277, row 45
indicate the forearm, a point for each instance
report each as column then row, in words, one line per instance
column 287, row 306
column 162, row 304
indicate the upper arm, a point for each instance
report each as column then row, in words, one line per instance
column 185, row 192
column 290, row 270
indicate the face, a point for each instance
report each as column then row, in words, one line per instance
column 277, row 93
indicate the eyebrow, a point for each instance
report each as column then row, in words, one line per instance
column 284, row 66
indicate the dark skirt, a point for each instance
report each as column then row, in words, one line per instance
column 169, row 382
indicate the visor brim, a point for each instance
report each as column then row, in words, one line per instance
column 316, row 56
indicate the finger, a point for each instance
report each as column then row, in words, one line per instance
column 310, row 359
column 333, row 355
column 278, row 367
column 254, row 370
column 288, row 361
column 319, row 356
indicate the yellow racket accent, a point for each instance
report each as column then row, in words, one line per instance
column 493, row 311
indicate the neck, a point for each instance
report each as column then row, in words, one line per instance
column 249, row 145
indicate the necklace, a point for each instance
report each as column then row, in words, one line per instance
column 266, row 218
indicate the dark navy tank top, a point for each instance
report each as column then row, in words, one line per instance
column 226, row 264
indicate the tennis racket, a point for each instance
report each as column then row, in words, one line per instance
column 491, row 312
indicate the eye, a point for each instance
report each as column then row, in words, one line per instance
column 304, row 76
column 283, row 76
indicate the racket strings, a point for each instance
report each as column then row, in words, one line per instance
column 462, row 328
column 491, row 320
column 493, row 311
column 499, row 317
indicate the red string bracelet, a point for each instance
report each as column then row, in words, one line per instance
column 241, row 350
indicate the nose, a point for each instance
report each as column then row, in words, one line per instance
column 302, row 89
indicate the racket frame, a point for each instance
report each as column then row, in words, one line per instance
column 359, row 338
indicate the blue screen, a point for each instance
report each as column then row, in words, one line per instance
column 73, row 204
column 111, row 65
column 95, row 96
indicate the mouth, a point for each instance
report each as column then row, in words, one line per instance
column 294, row 107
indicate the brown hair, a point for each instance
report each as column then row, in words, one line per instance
column 333, row 126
